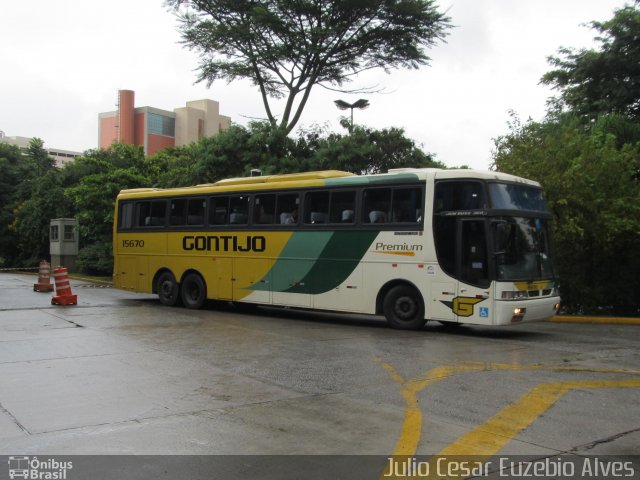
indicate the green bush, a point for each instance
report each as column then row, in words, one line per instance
column 96, row 259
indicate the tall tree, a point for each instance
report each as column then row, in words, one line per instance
column 13, row 173
column 39, row 156
column 595, row 82
column 286, row 47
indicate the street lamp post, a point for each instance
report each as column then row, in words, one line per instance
column 359, row 104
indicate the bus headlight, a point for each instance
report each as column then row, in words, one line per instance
column 518, row 314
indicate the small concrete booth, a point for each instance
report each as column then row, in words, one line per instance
column 63, row 243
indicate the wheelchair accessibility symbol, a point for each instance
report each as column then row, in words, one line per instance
column 484, row 312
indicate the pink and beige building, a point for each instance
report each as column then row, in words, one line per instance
column 156, row 129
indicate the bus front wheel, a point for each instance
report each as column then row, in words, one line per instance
column 403, row 308
column 193, row 291
column 167, row 289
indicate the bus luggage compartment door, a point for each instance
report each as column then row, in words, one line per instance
column 289, row 282
column 251, row 280
column 133, row 271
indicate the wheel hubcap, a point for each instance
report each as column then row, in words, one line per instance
column 166, row 289
column 405, row 308
column 193, row 293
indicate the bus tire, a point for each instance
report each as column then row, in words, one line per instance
column 403, row 308
column 167, row 288
column 193, row 291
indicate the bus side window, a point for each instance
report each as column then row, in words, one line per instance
column 178, row 212
column 151, row 214
column 407, row 205
column 218, row 210
column 287, row 208
column 343, row 205
column 317, row 208
column 195, row 211
column 377, row 205
column 239, row 207
column 186, row 211
column 264, row 208
column 126, row 215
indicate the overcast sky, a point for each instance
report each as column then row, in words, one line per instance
column 63, row 62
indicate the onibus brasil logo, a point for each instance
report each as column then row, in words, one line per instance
column 34, row 469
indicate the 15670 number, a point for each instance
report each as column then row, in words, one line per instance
column 132, row 243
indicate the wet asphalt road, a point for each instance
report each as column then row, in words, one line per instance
column 121, row 374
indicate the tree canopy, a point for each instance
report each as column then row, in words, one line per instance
column 33, row 191
column 286, row 47
column 607, row 80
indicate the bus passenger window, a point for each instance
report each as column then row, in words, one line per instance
column 343, row 206
column 407, row 205
column 317, row 207
column 264, row 209
column 239, row 210
column 218, row 210
column 377, row 205
column 126, row 215
column 151, row 214
column 287, row 208
column 177, row 212
column 195, row 211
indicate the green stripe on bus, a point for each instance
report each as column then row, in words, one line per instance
column 295, row 260
column 338, row 260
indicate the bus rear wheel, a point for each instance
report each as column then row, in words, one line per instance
column 403, row 308
column 193, row 291
column 167, row 289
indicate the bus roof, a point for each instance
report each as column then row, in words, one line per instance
column 324, row 178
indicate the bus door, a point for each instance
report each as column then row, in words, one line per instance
column 473, row 297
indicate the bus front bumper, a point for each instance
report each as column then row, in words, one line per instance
column 511, row 312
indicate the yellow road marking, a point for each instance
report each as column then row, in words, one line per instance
column 489, row 438
column 412, row 425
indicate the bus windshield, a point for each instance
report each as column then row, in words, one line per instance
column 507, row 196
column 522, row 249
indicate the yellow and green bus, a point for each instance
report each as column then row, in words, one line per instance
column 456, row 246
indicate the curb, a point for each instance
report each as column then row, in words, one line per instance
column 601, row 320
column 102, row 283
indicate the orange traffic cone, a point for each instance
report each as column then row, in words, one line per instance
column 63, row 288
column 44, row 278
